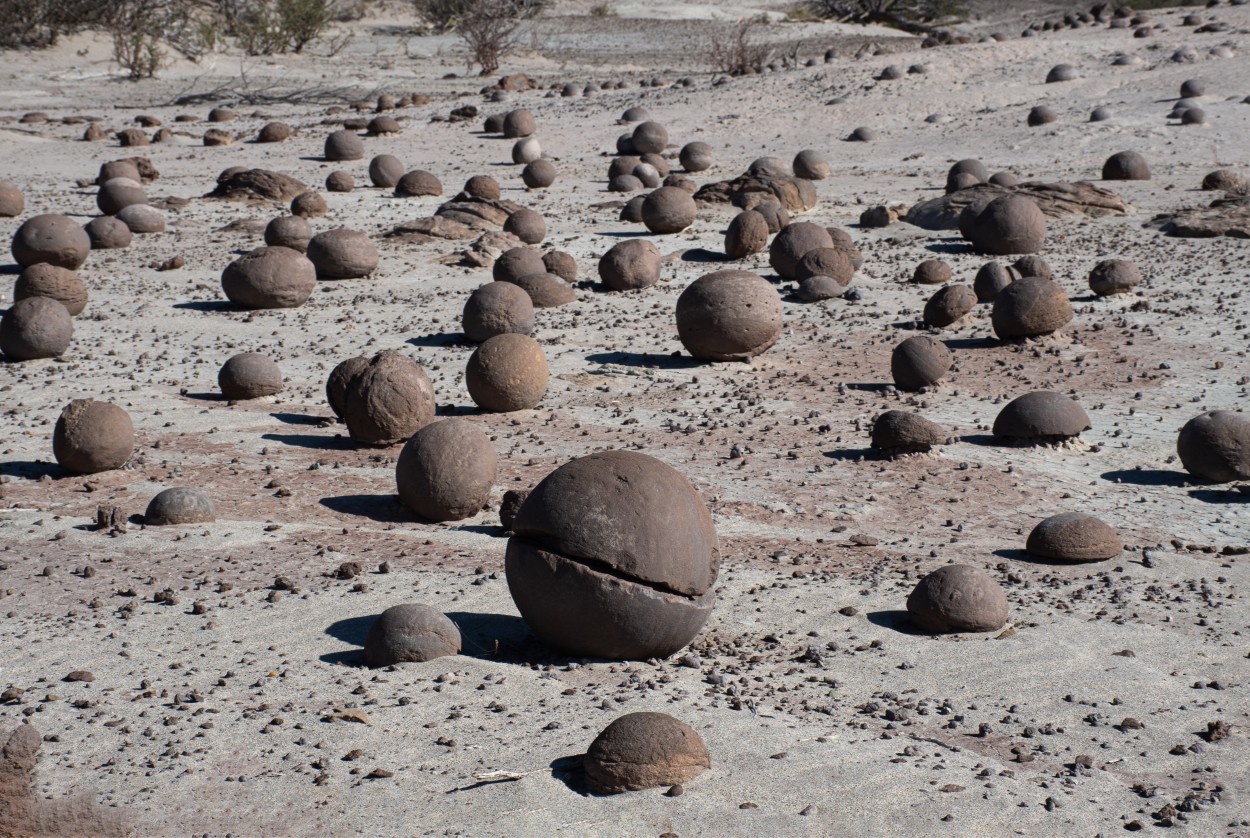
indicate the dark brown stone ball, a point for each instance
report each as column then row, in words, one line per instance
column 833, row 262
column 388, row 401
column 36, row 327
column 1032, row 265
column 343, row 254
column 614, row 556
column 125, row 168
column 1126, row 165
column 625, row 183
column 747, row 234
column 269, row 277
column 963, row 180
column 309, row 205
column 519, row 123
column 898, row 432
column 810, row 165
column 1030, row 307
column 340, row 378
column 344, row 145
column 546, row 290
column 44, row 280
column 957, row 598
column 249, row 375
column 792, row 244
column 918, row 362
column 1114, row 276
column 968, row 166
column 221, row 114
column 91, row 437
column 385, row 170
column 1041, row 415
column 775, row 214
column 180, row 505
column 117, row 194
column 643, row 751
column 380, row 125
column 649, row 138
column 932, row 272
column 108, row 233
column 728, row 315
column 1074, row 537
column 54, row 239
column 696, row 157
column 274, row 132
column 1216, row 446
column 340, row 182
column 493, row 124
column 1008, row 225
column 630, row 265
column 561, row 264
column 668, row 210
column 813, row 289
column 418, row 184
column 991, row 278
column 949, row 305
column 539, row 174
column 410, row 633
column 656, row 162
column 289, row 231
column 495, row 309
column 12, row 201
column 1004, row 179
column 526, row 225
column 446, row 470
column 516, row 263
column 1041, row 115
column 506, row 373
column 482, row 186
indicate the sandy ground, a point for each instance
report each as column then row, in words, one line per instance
column 818, row 722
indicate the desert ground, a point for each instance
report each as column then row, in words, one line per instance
column 227, row 701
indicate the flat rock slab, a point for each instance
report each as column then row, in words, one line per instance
column 748, row 191
column 258, row 185
column 479, row 214
column 1223, row 217
column 1055, row 199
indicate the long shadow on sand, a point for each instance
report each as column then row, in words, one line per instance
column 490, row 636
column 569, row 770
column 1226, row 495
column 337, row 442
column 895, row 619
column 299, row 418
column 1147, row 477
column 702, row 255
column 381, row 509
column 645, row 359
column 209, row 305
column 32, row 469
column 972, row 343
column 441, row 339
column 851, row 455
column 1025, row 557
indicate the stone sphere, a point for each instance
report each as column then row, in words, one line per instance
column 957, row 598
column 1114, row 276
column 1074, row 537
column 92, row 436
column 810, row 165
column 180, row 505
column 1041, row 415
column 644, row 751
column 507, row 372
column 418, row 184
column 1032, row 265
column 862, row 135
column 142, row 219
column 631, row 213
column 1061, row 72
column 1216, row 446
column 274, row 132
column 1192, row 88
column 344, row 145
column 493, row 124
column 949, row 305
column 1100, row 114
column 446, row 470
column 526, row 151
column 546, row 290
column 54, row 239
column 343, row 254
column 1125, row 165
column 380, row 125
column 833, row 262
column 497, row 308
column 668, row 210
column 932, row 272
column 747, row 234
column 1004, row 179
column 614, row 556
column 650, row 138
column 269, row 277
column 36, row 327
column 625, row 144
column 108, row 233
column 389, row 400
column 728, row 315
column 289, row 231
column 538, row 174
column 482, row 186
column 1226, row 180
column 340, row 182
column 630, row 265
column 918, row 362
column 813, row 289
column 647, row 174
column 962, row 180
column 249, row 375
column 561, row 264
column 898, row 432
column 12, row 201
column 340, row 378
column 126, row 168
column 967, row 166
column 776, row 216
column 990, row 280
column 44, row 280
column 1010, row 224
column 696, row 157
column 519, row 123
column 1041, row 115
column 526, row 225
column 623, row 165
column 624, row 183
column 637, row 113
column 518, row 262
column 117, row 194
column 309, row 204
column 1193, row 116
column 410, row 633
column 1030, row 307
column 221, row 114
column 385, row 170
column 792, row 244
column 769, row 167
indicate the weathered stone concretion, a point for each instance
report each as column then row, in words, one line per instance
column 249, row 375
column 949, row 305
column 60, row 284
column 108, row 233
column 1009, row 224
column 54, row 239
column 506, row 373
column 834, row 262
column 539, row 174
column 810, row 165
column 918, row 362
column 649, row 138
column 1074, row 537
column 642, row 751
column 339, row 379
column 179, row 506
column 519, row 123
column 901, row 432
column 518, row 262
column 385, row 170
column 389, row 400
column 668, row 210
column 344, row 145
column 957, row 598
column 497, row 308
column 418, row 184
column 747, row 234
column 728, row 315
column 12, row 201
column 269, row 277
column 1042, row 415
column 968, row 166
column 34, row 328
column 526, row 225
column 991, row 279
column 290, row 231
column 1126, row 165
column 1114, row 276
column 630, row 265
column 792, row 244
column 343, row 254
column 410, row 633
column 446, row 470
column 1216, row 446
column 1030, row 307
column 932, row 272
column 696, row 157
column 91, row 437
column 546, row 290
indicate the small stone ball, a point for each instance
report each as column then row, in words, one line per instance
column 142, row 219
column 635, row 114
column 1030, row 307
column 1125, row 165
column 91, row 437
column 126, row 168
column 1114, row 276
column 1216, row 446
column 792, row 243
column 546, row 290
column 991, row 278
column 482, row 186
column 1226, row 180
column 506, row 373
column 1100, row 114
column 410, row 633
column 1041, row 115
column 539, row 174
column 625, row 144
column 668, row 210
column 614, row 555
column 680, row 181
column 962, row 180
column 54, row 239
column 631, row 213
column 1032, row 265
column 446, row 470
column 493, row 124
column 526, row 151
column 891, row 73
column 274, row 132
column 810, row 165
column 221, row 114
column 1041, row 415
column 132, row 138
column 36, row 327
column 728, row 315
column 1074, row 537
column 1004, row 179
column 12, row 202
column 932, row 272
column 561, row 264
column 1193, row 116
column 747, row 234
column 519, row 123
column 526, row 225
column 389, row 400
column 289, row 231
column 647, row 174
column 1182, row 105
column 769, row 167
column 643, row 751
column 919, row 362
column 344, row 145
column 108, row 233
column 696, row 157
column 1061, row 72
column 949, row 305
column 381, row 125
column 249, row 375
column 518, row 262
column 44, row 280
column 1192, row 88
column 833, row 262
column 340, row 182
column 1009, row 224
column 862, row 135
column 497, row 308
column 510, row 505
column 957, row 598
column 630, row 265
column 776, row 216
column 119, row 193
column 898, row 432
column 309, row 205
column 343, row 254
column 180, row 505
column 385, row 170
column 967, row 166
column 624, row 183
column 418, row 184
column 813, row 289
column 650, row 138
column 269, row 277
column 340, row 378
column 623, row 165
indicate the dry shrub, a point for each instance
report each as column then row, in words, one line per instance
column 734, row 53
column 490, row 29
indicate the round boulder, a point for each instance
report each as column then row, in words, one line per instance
column 1114, row 276
column 643, row 751
column 446, row 470
column 1009, row 224
column 932, row 272
column 410, row 633
column 728, row 315
column 968, row 166
column 526, row 150
column 269, row 277
column 538, row 174
column 180, row 505
column 957, row 598
column 44, row 280
column 344, row 145
column 526, row 225
column 118, row 193
column 388, row 401
column 630, row 265
column 54, row 239
column 519, row 123
column 342, row 254
column 518, row 262
column 810, row 165
column 792, row 243
column 1074, row 537
column 918, row 362
column 813, row 289
column 12, row 201
column 546, row 290
column 990, row 280
column 142, row 219
column 36, row 327
column 340, row 378
column 668, row 210
column 1216, row 446
column 898, row 432
column 649, row 138
column 497, row 308
column 289, row 231
column 1030, row 307
column 108, row 233
column 747, row 234
column 507, row 372
column 1125, row 165
column 92, row 436
column 385, row 170
column 1042, row 415
column 696, row 157
column 249, row 375
column 949, row 305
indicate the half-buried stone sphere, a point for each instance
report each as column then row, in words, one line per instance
column 546, row 290
column 932, row 272
column 792, row 244
column 519, row 123
column 12, row 202
column 949, row 305
column 728, row 315
column 344, row 145
column 919, row 362
column 410, row 633
column 497, row 308
column 340, row 182
column 957, row 598
column 518, row 262
column 54, row 239
column 629, row 265
column 1216, row 446
column 968, row 166
column 1032, row 265
column 1030, row 307
column 180, row 505
column 696, row 157
column 1074, row 537
column 92, row 436
column 118, row 193
column 1007, row 225
column 482, row 186
column 385, row 170
column 644, row 751
column 900, row 432
column 388, row 401
column 747, row 234
column 810, row 165
column 249, row 375
column 1126, row 165
column 507, row 372
column 269, row 277
column 1041, row 416
column 446, row 470
column 44, row 280
column 142, row 219
column 614, row 556
column 813, row 289
column 291, row 231
column 526, row 225
column 668, row 210
column 343, row 254
column 418, row 184
column 340, row 378
column 990, row 280
column 1114, row 276
column 108, row 233
column 36, row 327
column 539, row 174
column 834, row 262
